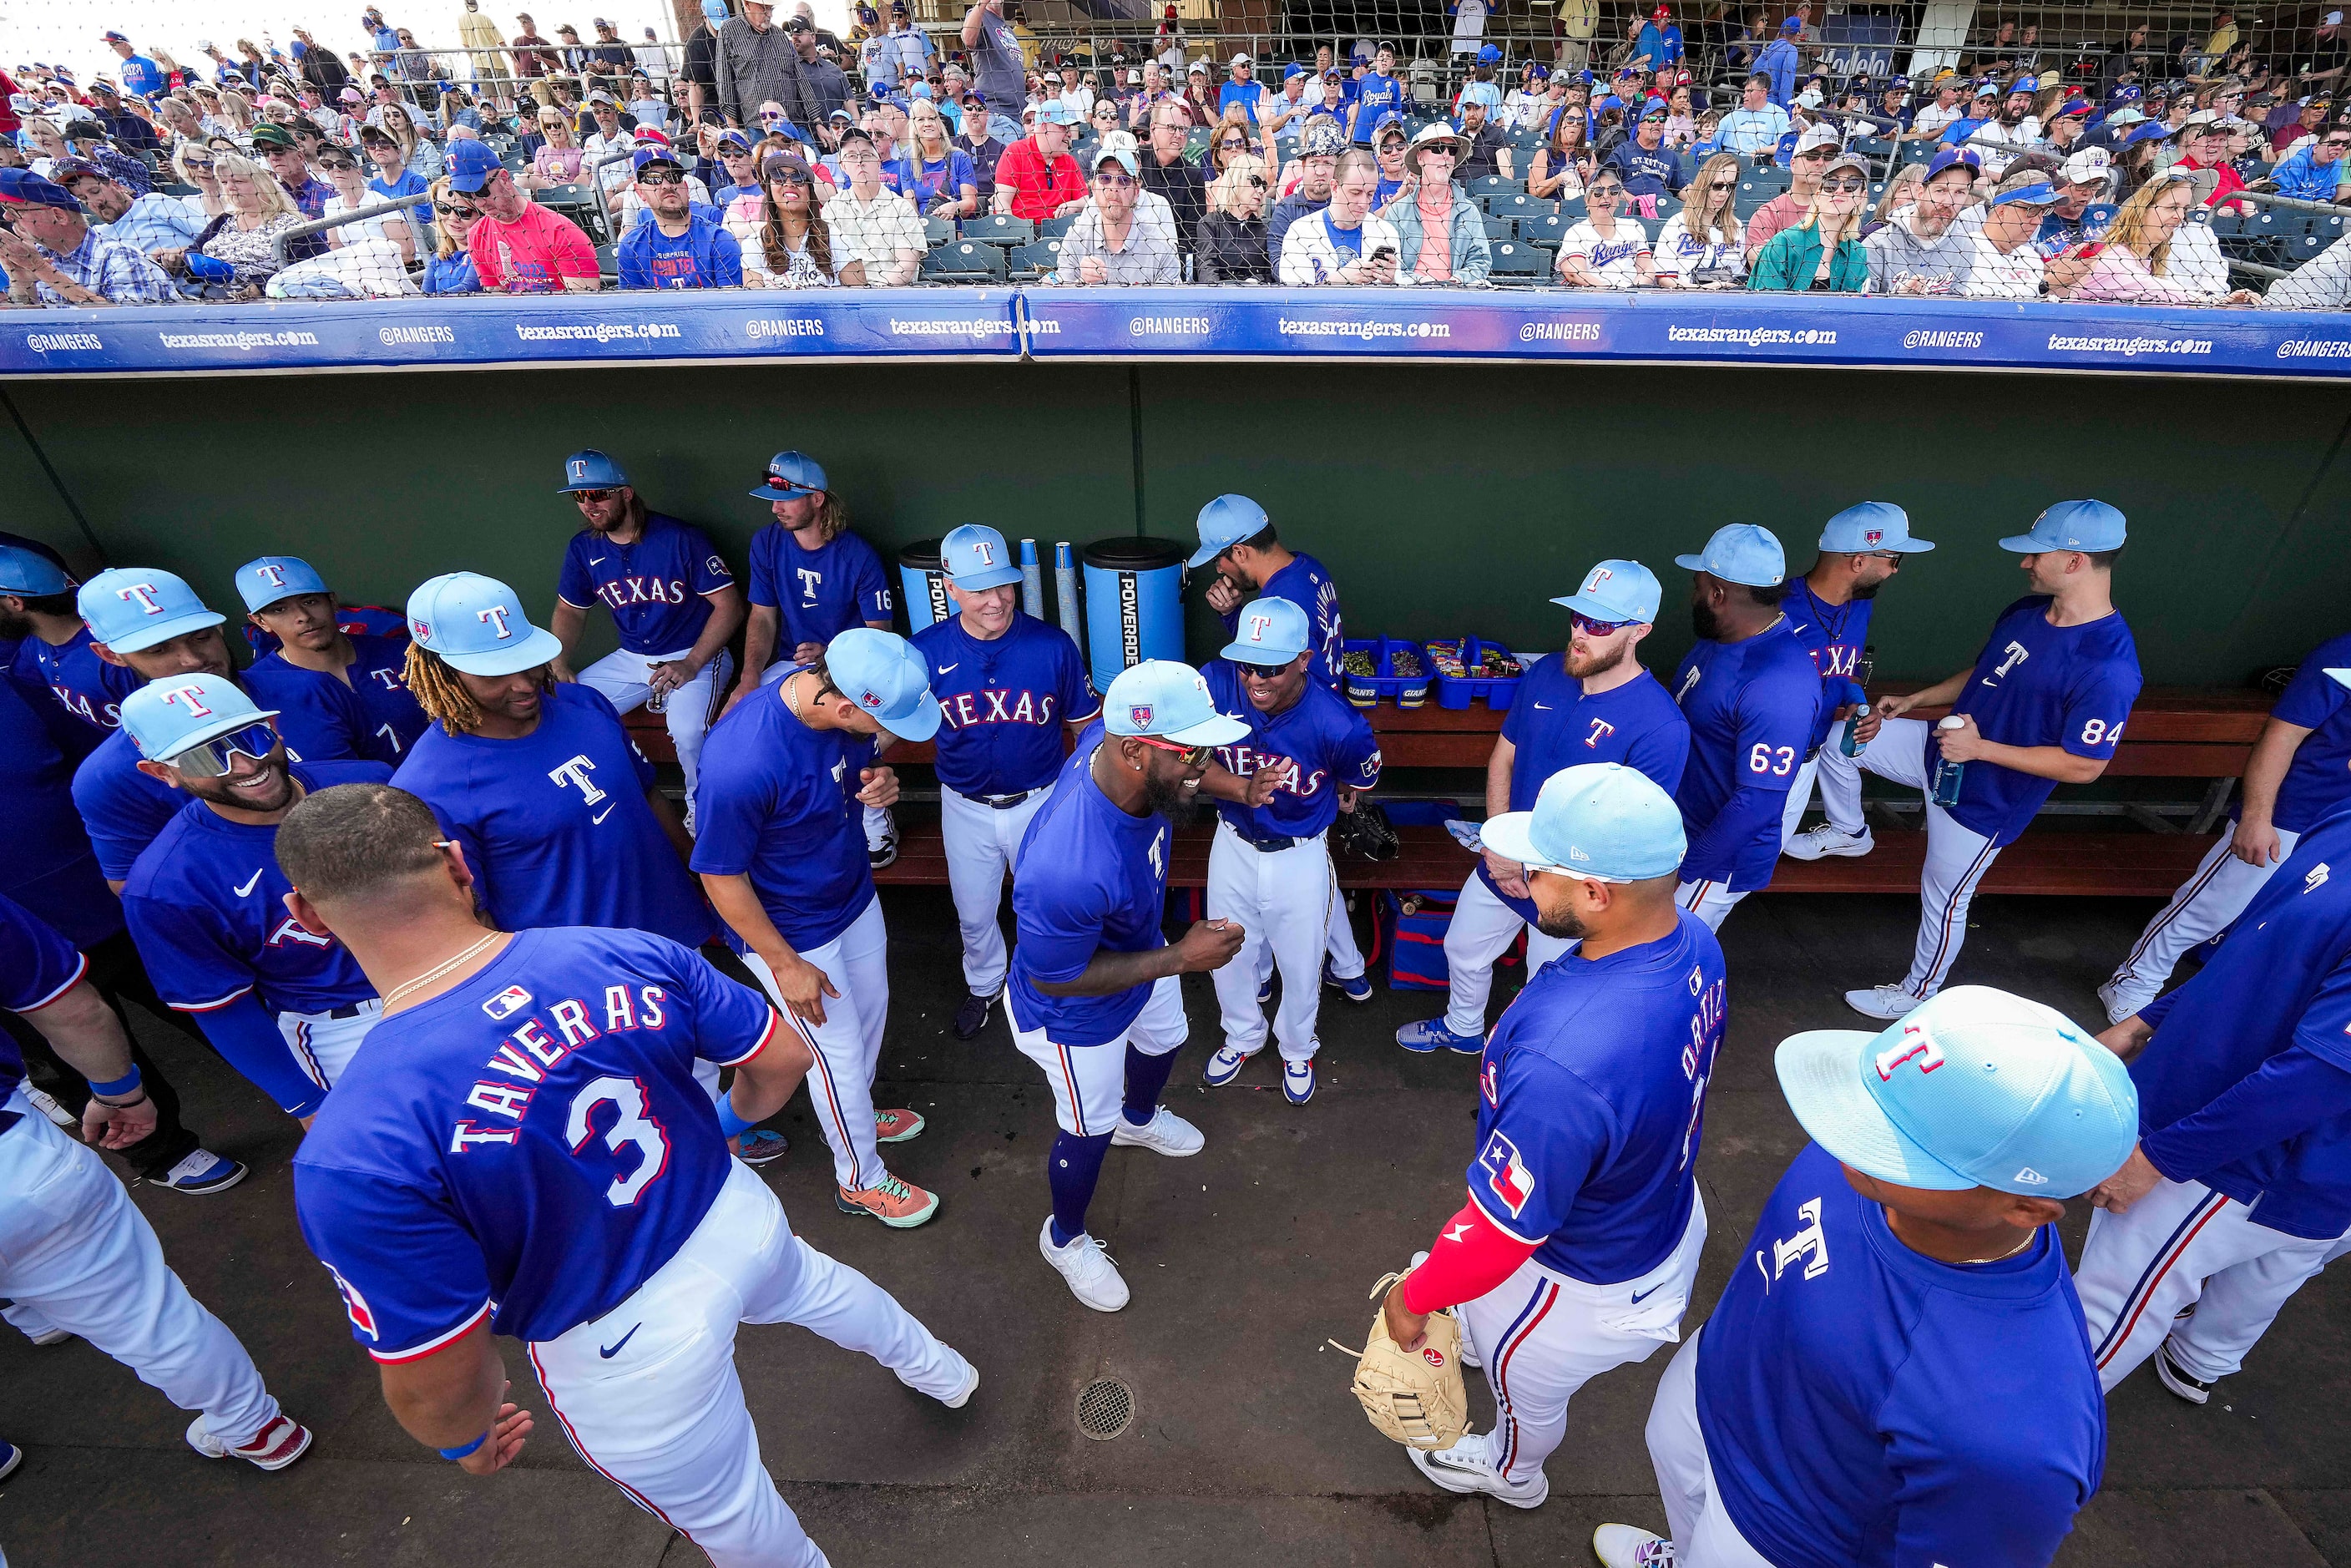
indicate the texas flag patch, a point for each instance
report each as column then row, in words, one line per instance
column 1507, row 1176
column 362, row 1315
column 507, row 1003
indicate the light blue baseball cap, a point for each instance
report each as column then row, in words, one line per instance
column 1225, row 522
column 1167, row 701
column 263, row 582
column 477, row 624
column 1741, row 553
column 2340, row 677
column 1617, row 591
column 132, row 607
column 1056, row 112
column 1597, row 819
column 791, row 473
column 977, row 557
column 590, row 470
column 880, row 673
column 1873, row 527
column 1973, row 1088
column 1270, row 630
column 165, row 718
column 29, row 575
column 2070, row 525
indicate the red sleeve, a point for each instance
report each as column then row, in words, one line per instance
column 1470, row 1257
column 574, row 255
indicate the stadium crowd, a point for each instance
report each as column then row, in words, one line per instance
column 772, row 154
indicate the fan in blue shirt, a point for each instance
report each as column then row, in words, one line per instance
column 676, row 246
column 1380, row 92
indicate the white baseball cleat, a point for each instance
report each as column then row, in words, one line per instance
column 1823, row 842
column 962, row 1396
column 1165, row 1133
column 47, row 1337
column 1888, row 1002
column 1464, row 1468
column 2178, row 1379
column 274, row 1448
column 1225, row 1066
column 1085, row 1264
column 1629, row 1546
column 2122, row 1002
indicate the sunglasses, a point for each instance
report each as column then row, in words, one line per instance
column 444, row 209
column 790, row 177
column 587, row 497
column 1844, row 185
column 769, row 114
column 1262, row 672
column 337, row 163
column 1115, row 181
column 210, row 759
column 1818, row 155
column 1724, row 185
column 1193, row 756
column 660, row 177
column 199, row 165
column 1232, row 142
column 1257, row 182
column 1590, row 628
column 1604, row 193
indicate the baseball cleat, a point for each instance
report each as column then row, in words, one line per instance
column 1265, row 990
column 2177, row 1378
column 204, row 1171
column 47, row 1337
column 897, row 1126
column 1355, row 987
column 11, row 1456
column 1165, row 1133
column 962, row 1397
column 1825, row 842
column 1298, row 1080
column 760, row 1146
column 972, row 1016
column 1629, row 1546
column 1888, row 1002
column 1226, row 1066
column 883, row 854
column 274, row 1448
column 1464, row 1468
column 1093, row 1278
column 893, row 1203
column 2121, row 1003
column 1430, row 1034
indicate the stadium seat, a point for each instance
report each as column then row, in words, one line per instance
column 1572, row 209
column 2326, row 226
column 2302, row 247
column 964, row 261
column 1872, row 146
column 1668, row 206
column 1519, row 264
column 1054, row 228
column 1512, row 204
column 608, row 261
column 1496, row 185
column 1547, row 231
column 995, row 228
column 2225, row 224
column 1032, row 261
column 937, row 232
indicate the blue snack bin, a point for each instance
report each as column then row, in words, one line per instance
column 1384, row 685
column 1134, row 603
column 922, row 584
column 1459, row 691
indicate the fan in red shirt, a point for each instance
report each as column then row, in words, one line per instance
column 1036, row 178
column 519, row 246
column 2205, row 138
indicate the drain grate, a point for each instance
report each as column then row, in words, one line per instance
column 1105, row 1408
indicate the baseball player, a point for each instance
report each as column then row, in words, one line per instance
column 1753, row 700
column 1307, row 757
column 75, row 1252
column 1861, row 549
column 2299, row 771
column 613, row 1234
column 779, row 852
column 2244, row 1131
column 810, row 579
column 1594, row 703
column 673, row 601
column 37, row 606
column 1008, row 684
column 1896, row 1372
column 1580, row 1242
column 317, row 667
column 1094, row 998
column 1238, row 542
column 205, row 901
column 2044, row 705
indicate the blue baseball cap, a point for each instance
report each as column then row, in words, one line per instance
column 25, row 188
column 737, row 140
column 977, row 557
column 1973, row 1088
column 1953, row 158
column 1167, row 701
column 264, row 581
column 165, row 718
column 1617, row 591
column 1873, row 527
column 590, row 469
column 130, row 607
column 1225, row 522
column 645, row 155
column 2068, row 525
column 715, row 10
column 1597, row 819
column 28, row 575
column 477, row 624
column 1487, row 54
column 880, row 673
column 1056, row 112
column 1740, row 553
column 2041, row 196
column 791, row 473
column 469, row 164
column 1270, row 630
column 1294, row 69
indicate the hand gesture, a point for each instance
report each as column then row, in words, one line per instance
column 2128, row 1186
column 1223, row 597
column 877, row 788
column 506, row 1441
column 1963, row 743
column 1258, row 789
column 116, row 1126
column 1092, row 270
column 1208, row 944
column 806, row 652
column 1406, row 1327
column 664, row 677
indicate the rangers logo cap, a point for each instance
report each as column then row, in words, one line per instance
column 262, row 582
column 1740, row 553
column 476, row 625
column 29, row 575
column 1973, row 1088
column 1617, row 591
column 1167, row 701
column 1224, row 523
column 1270, row 630
column 1599, row 821
column 132, row 607
column 882, row 673
column 791, row 473
column 165, row 718
column 1873, row 527
column 590, row 470
column 2071, row 524
column 977, row 557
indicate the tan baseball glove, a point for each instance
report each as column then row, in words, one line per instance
column 1414, row 1396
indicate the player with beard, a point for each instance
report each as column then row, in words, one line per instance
column 36, row 612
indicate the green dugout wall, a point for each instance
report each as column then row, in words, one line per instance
column 1445, row 498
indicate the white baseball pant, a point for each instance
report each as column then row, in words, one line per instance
column 623, row 677
column 664, row 1419
column 983, row 847
column 76, row 1254
column 323, row 1044
column 1710, row 900
column 878, row 821
column 1957, row 858
column 1702, row 1531
column 1089, row 1081
column 2206, row 903
column 1542, row 1336
column 2141, row 1269
column 1481, row 930
column 1839, row 777
column 1346, row 958
column 2238, row 1306
column 848, row 1044
column 1281, row 899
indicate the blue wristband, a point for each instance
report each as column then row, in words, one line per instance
column 461, row 1453
column 731, row 1125
column 122, row 1085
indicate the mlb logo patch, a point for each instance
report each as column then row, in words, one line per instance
column 506, row 1003
column 1874, row 537
column 870, row 701
column 420, row 631
column 1507, row 1176
column 1140, row 716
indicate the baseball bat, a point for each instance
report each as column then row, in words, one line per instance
column 1065, row 589
column 1032, row 581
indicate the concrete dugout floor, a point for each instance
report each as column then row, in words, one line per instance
column 1247, row 1446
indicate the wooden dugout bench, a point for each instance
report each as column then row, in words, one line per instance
column 2174, row 732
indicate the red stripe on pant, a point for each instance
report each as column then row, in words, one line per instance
column 1502, row 1376
column 2178, row 906
column 1069, row 1082
column 833, row 1100
column 1941, row 962
column 572, row 1432
column 2134, row 1305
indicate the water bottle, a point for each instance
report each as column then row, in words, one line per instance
column 1947, row 774
column 657, row 699
column 1852, row 743
column 1867, row 667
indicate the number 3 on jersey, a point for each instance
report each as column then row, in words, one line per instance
column 1779, row 761
column 631, row 1126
